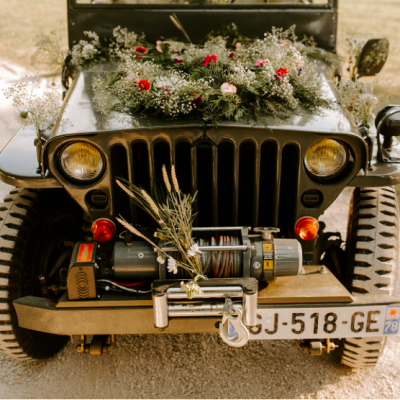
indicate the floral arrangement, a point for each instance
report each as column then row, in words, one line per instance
column 175, row 219
column 214, row 81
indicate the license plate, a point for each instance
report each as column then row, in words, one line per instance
column 326, row 322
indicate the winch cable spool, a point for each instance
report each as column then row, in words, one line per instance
column 217, row 264
column 222, row 264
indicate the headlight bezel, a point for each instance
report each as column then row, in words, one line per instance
column 72, row 179
column 339, row 173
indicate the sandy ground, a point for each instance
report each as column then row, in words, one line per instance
column 198, row 365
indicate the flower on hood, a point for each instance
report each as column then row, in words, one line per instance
column 198, row 100
column 232, row 55
column 144, row 84
column 193, row 250
column 207, row 60
column 172, row 266
column 158, row 46
column 178, row 61
column 160, row 260
column 282, row 72
column 260, row 63
column 140, row 49
column 88, row 50
column 228, row 89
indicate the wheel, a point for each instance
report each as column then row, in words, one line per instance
column 38, row 230
column 372, row 247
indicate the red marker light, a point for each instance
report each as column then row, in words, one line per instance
column 307, row 228
column 103, row 230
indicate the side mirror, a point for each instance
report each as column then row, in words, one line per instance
column 373, row 57
column 387, row 124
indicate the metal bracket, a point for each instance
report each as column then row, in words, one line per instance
column 266, row 232
column 170, row 300
column 246, row 254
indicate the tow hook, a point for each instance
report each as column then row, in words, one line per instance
column 237, row 335
column 98, row 346
column 316, row 347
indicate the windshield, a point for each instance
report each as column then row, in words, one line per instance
column 188, row 2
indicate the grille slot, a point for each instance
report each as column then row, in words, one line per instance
column 141, row 177
column 288, row 186
column 237, row 184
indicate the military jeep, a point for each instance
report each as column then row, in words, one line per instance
column 68, row 268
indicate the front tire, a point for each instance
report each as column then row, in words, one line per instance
column 31, row 225
column 372, row 248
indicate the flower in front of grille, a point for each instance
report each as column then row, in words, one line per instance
column 160, row 260
column 166, row 180
column 172, row 266
column 192, row 288
column 193, row 250
column 174, row 179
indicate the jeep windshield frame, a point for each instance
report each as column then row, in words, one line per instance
column 199, row 19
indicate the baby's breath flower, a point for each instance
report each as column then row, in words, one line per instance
column 41, row 111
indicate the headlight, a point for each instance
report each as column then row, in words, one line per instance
column 325, row 158
column 81, row 161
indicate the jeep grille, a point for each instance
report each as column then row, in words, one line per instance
column 249, row 184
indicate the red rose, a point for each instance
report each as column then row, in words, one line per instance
column 144, row 84
column 178, row 61
column 140, row 49
column 198, row 100
column 207, row 60
column 281, row 73
column 232, row 55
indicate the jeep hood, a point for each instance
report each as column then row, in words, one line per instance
column 80, row 118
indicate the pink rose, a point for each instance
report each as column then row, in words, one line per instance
column 158, row 46
column 260, row 63
column 238, row 45
column 227, row 89
column 232, row 55
column 162, row 88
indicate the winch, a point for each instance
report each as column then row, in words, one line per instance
column 232, row 254
column 233, row 261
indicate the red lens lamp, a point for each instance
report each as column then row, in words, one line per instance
column 307, row 228
column 103, row 230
